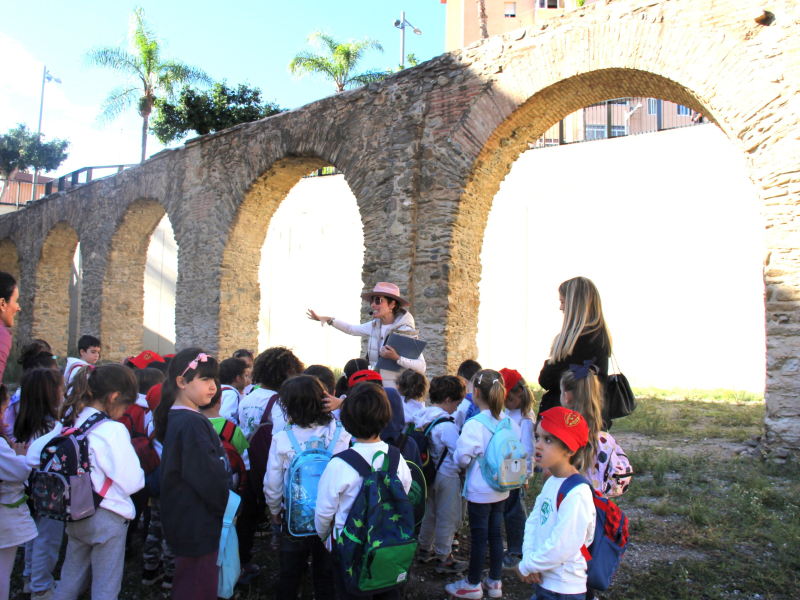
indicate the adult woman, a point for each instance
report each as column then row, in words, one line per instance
column 584, row 336
column 389, row 316
column 9, row 294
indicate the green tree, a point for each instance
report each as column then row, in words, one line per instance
column 21, row 150
column 208, row 111
column 149, row 74
column 336, row 61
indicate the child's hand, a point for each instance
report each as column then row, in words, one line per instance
column 530, row 578
column 331, row 402
column 20, row 449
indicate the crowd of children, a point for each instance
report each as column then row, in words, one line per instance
column 351, row 476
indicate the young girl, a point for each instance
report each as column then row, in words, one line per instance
column 35, row 355
column 353, row 366
column 485, row 505
column 519, row 408
column 302, row 399
column 41, row 394
column 96, row 547
column 555, row 534
column 194, row 476
column 16, row 525
column 413, row 388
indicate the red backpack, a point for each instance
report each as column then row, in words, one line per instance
column 260, row 441
column 133, row 419
column 237, row 463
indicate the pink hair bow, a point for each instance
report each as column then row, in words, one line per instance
column 202, row 357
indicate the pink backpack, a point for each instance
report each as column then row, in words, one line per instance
column 612, row 471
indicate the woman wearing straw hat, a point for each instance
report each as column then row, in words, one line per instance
column 389, row 316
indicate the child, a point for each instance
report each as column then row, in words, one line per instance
column 212, row 413
column 554, row 535
column 325, row 376
column 443, row 512
column 365, row 412
column 194, row 476
column 234, row 375
column 96, row 547
column 413, row 388
column 351, row 367
column 302, row 400
column 467, row 408
column 34, row 356
column 89, row 353
column 485, row 505
column 247, row 357
column 16, row 525
column 519, row 408
column 41, row 393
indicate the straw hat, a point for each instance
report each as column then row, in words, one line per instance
column 389, row 290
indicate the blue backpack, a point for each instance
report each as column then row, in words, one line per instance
column 228, row 558
column 503, row 465
column 610, row 535
column 300, row 490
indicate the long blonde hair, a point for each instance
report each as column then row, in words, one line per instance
column 492, row 388
column 583, row 313
column 587, row 401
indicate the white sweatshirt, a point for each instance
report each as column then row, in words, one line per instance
column 410, row 408
column 526, row 426
column 13, row 474
column 112, row 456
column 229, row 404
column 553, row 538
column 281, row 454
column 474, row 439
column 251, row 409
column 34, row 454
column 443, row 436
column 141, row 401
column 72, row 367
column 340, row 484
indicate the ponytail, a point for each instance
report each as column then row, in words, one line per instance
column 492, row 389
column 92, row 384
column 587, row 400
column 526, row 405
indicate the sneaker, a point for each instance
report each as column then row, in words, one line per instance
column 275, row 540
column 46, row 595
column 493, row 587
column 264, row 530
column 455, row 540
column 167, row 583
column 152, row 576
column 425, row 556
column 26, row 585
column 510, row 561
column 451, row 565
column 249, row 572
column 464, row 589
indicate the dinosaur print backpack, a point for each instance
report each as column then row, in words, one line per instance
column 376, row 546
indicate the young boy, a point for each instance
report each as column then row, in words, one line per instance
column 234, row 374
column 364, row 414
column 467, row 408
column 554, row 535
column 443, row 511
column 212, row 413
column 89, row 352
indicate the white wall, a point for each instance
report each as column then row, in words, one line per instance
column 667, row 225
column 161, row 274
column 312, row 258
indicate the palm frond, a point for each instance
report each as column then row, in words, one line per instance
column 365, row 78
column 323, row 41
column 140, row 32
column 117, row 101
column 114, row 58
column 308, row 63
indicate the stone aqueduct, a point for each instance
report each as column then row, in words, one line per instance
column 424, row 153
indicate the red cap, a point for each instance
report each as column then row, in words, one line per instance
column 365, row 375
column 153, row 397
column 567, row 425
column 510, row 378
column 169, row 356
column 145, row 358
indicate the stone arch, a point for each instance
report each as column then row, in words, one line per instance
column 51, row 300
column 122, row 308
column 9, row 259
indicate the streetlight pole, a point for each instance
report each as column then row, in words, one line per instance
column 401, row 24
column 45, row 78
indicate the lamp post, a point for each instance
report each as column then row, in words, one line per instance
column 401, row 24
column 45, row 78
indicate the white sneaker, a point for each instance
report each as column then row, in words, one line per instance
column 493, row 587
column 26, row 585
column 464, row 589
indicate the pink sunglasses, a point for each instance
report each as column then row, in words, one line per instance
column 193, row 365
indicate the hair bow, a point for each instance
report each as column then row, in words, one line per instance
column 202, row 357
column 582, row 371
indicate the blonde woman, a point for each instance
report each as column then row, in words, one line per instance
column 584, row 336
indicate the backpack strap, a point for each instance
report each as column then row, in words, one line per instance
column 355, row 460
column 336, row 433
column 228, row 431
column 267, row 416
column 292, row 438
column 227, row 520
column 486, row 421
column 428, row 430
column 394, row 459
column 570, row 483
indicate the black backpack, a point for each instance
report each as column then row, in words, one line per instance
column 420, row 436
column 62, row 488
column 418, row 493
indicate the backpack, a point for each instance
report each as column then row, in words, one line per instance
column 374, row 550
column 228, row 557
column 260, row 440
column 418, row 492
column 62, row 487
column 300, row 489
column 420, row 436
column 238, row 470
column 610, row 535
column 611, row 470
column 503, row 464
column 133, row 419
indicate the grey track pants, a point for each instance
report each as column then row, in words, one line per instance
column 442, row 516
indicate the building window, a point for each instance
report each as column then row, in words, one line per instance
column 510, row 9
column 595, row 132
column 684, row 111
column 652, row 106
column 548, row 3
column 618, row 131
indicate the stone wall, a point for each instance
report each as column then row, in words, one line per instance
column 424, row 153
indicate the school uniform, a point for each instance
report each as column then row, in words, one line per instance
column 96, row 547
column 229, row 404
column 16, row 523
column 251, row 410
column 443, row 505
column 410, row 408
column 515, row 513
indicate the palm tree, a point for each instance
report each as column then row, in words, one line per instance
column 484, row 31
column 335, row 61
column 149, row 74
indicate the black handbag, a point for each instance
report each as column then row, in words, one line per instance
column 620, row 401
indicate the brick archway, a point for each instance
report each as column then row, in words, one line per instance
column 51, row 289
column 9, row 257
column 122, row 310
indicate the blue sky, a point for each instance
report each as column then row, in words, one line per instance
column 238, row 40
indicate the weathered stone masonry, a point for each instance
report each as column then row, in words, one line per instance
column 424, row 153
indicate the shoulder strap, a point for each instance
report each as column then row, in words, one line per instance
column 486, row 421
column 436, row 422
column 335, row 439
column 267, row 416
column 355, row 460
column 394, row 459
column 292, row 439
column 228, row 430
column 570, row 483
column 91, row 423
column 227, row 520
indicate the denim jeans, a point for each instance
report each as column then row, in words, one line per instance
column 294, row 567
column 515, row 516
column 543, row 594
column 485, row 527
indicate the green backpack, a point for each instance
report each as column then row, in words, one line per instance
column 375, row 548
